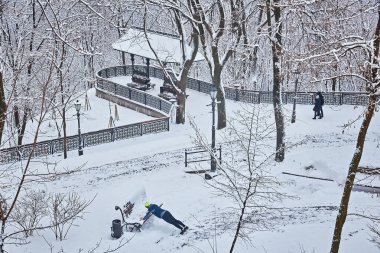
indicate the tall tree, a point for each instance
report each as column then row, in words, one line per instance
column 3, row 106
column 180, row 17
column 219, row 40
column 275, row 36
column 372, row 76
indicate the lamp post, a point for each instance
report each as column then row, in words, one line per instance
column 236, row 85
column 293, row 120
column 173, row 110
column 213, row 93
column 77, row 107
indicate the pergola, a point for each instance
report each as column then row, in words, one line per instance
column 167, row 47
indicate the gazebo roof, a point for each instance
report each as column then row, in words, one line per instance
column 168, row 48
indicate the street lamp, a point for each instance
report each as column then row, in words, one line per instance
column 236, row 85
column 293, row 120
column 173, row 100
column 213, row 93
column 77, row 107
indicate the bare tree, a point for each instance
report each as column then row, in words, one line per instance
column 179, row 83
column 244, row 176
column 3, row 106
column 43, row 100
column 64, row 209
column 274, row 32
column 374, row 228
column 29, row 211
column 355, row 51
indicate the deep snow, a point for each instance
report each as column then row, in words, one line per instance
column 115, row 171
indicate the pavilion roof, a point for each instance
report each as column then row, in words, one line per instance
column 168, row 48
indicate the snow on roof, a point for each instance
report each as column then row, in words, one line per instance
column 168, row 48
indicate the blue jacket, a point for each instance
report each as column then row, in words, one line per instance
column 156, row 210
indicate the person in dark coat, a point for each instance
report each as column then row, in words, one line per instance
column 322, row 103
column 318, row 105
column 166, row 216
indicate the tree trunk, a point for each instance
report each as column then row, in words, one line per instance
column 2, row 234
column 181, row 96
column 181, row 108
column 64, row 133
column 188, row 63
column 21, row 126
column 3, row 107
column 277, row 79
column 220, row 98
column 342, row 214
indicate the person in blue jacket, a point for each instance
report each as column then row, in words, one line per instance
column 166, row 216
column 319, row 101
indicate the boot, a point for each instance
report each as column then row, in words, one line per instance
column 184, row 230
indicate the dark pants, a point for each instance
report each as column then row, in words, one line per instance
column 318, row 113
column 168, row 217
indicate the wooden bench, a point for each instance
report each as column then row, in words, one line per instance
column 138, row 86
column 140, row 77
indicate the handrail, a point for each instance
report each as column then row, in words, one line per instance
column 243, row 95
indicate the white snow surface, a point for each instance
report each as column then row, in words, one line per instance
column 114, row 172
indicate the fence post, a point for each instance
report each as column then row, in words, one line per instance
column 112, row 135
column 141, row 129
column 199, row 85
column 341, row 99
column 144, row 98
column 83, row 140
column 220, row 154
column 160, row 104
column 259, row 99
column 52, row 147
column 185, row 157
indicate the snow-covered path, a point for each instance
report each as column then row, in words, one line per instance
column 112, row 172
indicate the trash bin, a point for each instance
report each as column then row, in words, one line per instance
column 117, row 229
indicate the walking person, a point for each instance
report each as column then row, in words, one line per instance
column 322, row 103
column 318, row 105
column 166, row 216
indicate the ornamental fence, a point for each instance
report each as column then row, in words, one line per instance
column 237, row 94
column 55, row 146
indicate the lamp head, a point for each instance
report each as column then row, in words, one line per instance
column 77, row 106
column 213, row 92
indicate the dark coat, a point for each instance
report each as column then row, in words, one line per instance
column 321, row 97
column 318, row 102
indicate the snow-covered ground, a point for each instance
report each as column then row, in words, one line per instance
column 96, row 118
column 114, row 172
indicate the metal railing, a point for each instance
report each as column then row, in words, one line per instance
column 54, row 146
column 237, row 94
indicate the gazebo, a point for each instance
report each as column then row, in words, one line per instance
column 167, row 47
